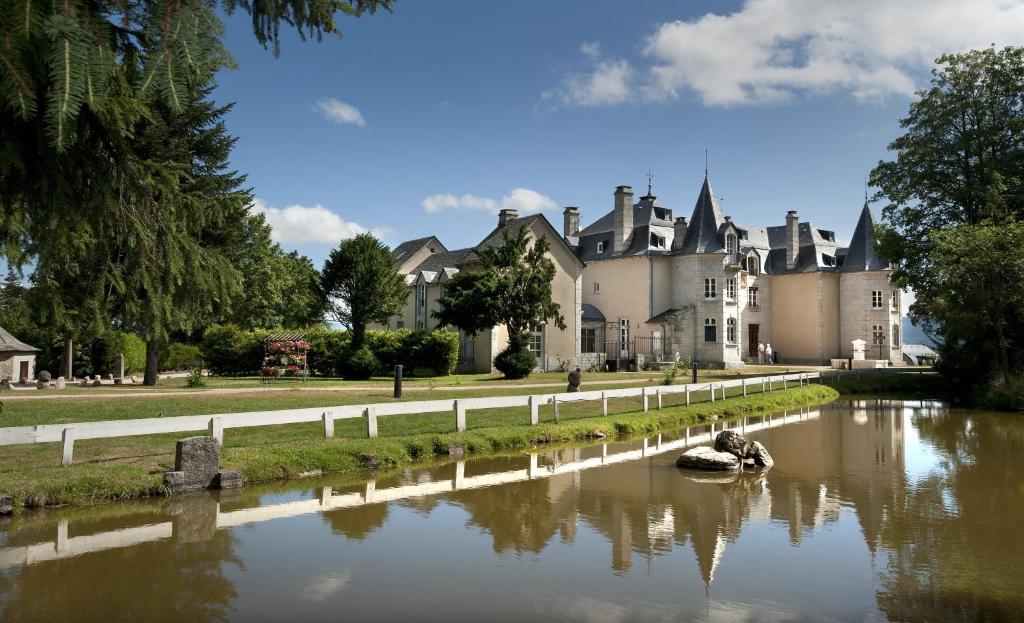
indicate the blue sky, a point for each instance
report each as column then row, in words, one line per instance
column 428, row 120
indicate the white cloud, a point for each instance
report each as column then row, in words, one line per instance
column 320, row 587
column 305, row 224
column 770, row 51
column 524, row 200
column 607, row 82
column 340, row 112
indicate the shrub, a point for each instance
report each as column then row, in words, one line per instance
column 195, row 378
column 112, row 343
column 1007, row 396
column 392, row 347
column 177, row 356
column 437, row 350
column 515, row 362
column 329, row 351
column 361, row 365
column 221, row 348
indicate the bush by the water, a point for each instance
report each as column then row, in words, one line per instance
column 515, row 362
column 229, row 350
column 1008, row 396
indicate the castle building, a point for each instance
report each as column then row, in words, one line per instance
column 639, row 287
column 712, row 290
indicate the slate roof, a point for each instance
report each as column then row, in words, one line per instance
column 11, row 344
column 664, row 316
column 649, row 216
column 702, row 229
column 861, row 255
column 448, row 259
column 409, row 247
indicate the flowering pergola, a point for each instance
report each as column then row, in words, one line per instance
column 284, row 355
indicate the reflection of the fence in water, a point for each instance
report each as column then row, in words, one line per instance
column 64, row 547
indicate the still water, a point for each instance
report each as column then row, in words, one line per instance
column 874, row 510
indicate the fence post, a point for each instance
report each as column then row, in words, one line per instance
column 460, row 475
column 325, row 496
column 534, row 411
column 371, row 423
column 687, row 395
column 770, row 388
column 531, row 471
column 784, row 384
column 460, row 417
column 604, row 404
column 604, row 452
column 658, row 394
column 659, row 442
column 743, row 382
column 711, row 386
column 217, row 430
column 554, row 406
column 68, row 437
column 328, row 418
column 643, row 450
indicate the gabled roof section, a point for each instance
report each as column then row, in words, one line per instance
column 554, row 238
column 409, row 247
column 861, row 255
column 448, row 259
column 702, row 232
column 11, row 344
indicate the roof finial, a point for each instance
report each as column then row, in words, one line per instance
column 705, row 162
column 865, row 189
column 650, row 182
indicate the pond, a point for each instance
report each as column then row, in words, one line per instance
column 874, row 510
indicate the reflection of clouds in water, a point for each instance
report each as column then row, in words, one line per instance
column 323, row 586
column 582, row 608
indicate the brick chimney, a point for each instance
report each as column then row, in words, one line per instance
column 679, row 236
column 571, row 221
column 623, row 217
column 792, row 239
column 506, row 215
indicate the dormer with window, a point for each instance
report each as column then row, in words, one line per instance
column 753, row 264
column 600, row 247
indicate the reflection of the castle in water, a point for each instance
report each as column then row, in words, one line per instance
column 643, row 507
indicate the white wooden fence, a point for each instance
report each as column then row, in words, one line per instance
column 217, row 423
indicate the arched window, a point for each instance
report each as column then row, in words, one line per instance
column 730, row 243
column 752, row 264
column 730, row 331
column 710, row 330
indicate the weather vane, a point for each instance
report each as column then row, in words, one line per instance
column 650, row 181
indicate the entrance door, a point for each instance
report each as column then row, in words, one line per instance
column 24, row 370
column 752, row 339
column 624, row 338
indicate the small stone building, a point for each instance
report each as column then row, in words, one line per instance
column 17, row 359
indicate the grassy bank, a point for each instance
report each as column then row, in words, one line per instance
column 129, row 468
column 894, row 384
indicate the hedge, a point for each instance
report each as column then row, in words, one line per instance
column 230, row 350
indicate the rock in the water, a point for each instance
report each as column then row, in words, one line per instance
column 760, row 455
column 704, row 457
column 6, row 505
column 196, row 465
column 733, row 443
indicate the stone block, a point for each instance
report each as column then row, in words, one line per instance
column 228, row 479
column 704, row 457
column 61, row 383
column 6, row 505
column 197, row 467
column 118, row 381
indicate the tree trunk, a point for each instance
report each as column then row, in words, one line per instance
column 358, row 336
column 67, row 360
column 152, row 362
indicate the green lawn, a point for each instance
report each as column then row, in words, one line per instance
column 132, row 466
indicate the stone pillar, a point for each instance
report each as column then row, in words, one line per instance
column 119, row 374
column 66, row 362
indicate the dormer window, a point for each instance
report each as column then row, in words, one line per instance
column 657, row 241
column 730, row 243
column 828, row 260
column 753, row 265
column 600, row 246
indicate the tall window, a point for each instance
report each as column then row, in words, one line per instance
column 876, row 299
column 710, row 288
column 597, row 288
column 624, row 336
column 896, row 299
column 730, row 289
column 421, row 297
column 600, row 246
column 537, row 341
column 419, row 325
column 752, row 297
column 730, row 243
column 730, row 331
column 877, row 337
column 710, row 330
column 895, row 340
column 588, row 340
column 440, row 290
column 752, row 264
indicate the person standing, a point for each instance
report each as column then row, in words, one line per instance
column 760, row 352
column 575, row 378
column 768, row 352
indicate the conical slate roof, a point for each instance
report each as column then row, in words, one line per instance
column 11, row 344
column 862, row 255
column 702, row 232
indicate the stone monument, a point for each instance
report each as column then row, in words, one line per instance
column 197, row 467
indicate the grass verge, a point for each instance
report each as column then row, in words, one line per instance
column 132, row 468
